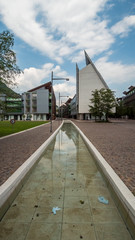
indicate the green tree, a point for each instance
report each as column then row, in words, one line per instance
column 103, row 102
column 95, row 108
column 8, row 66
column 108, row 101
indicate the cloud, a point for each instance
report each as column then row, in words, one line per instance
column 65, row 89
column 62, row 31
column 115, row 72
column 20, row 17
column 34, row 77
column 58, row 31
column 123, row 27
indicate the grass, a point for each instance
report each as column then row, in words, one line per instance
column 6, row 128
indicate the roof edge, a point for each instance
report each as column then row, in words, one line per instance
column 48, row 84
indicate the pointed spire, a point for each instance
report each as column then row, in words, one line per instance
column 77, row 68
column 77, row 72
column 88, row 61
column 77, row 84
column 87, row 58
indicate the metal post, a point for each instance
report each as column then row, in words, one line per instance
column 61, row 110
column 59, row 104
column 51, row 100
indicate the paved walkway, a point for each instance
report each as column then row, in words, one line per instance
column 115, row 141
column 16, row 149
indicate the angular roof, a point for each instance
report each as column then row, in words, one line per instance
column 89, row 61
column 46, row 86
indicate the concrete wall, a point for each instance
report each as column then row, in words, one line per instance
column 88, row 82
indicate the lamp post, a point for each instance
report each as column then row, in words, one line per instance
column 52, row 79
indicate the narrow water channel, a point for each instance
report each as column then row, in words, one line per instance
column 66, row 177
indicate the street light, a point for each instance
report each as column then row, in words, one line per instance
column 52, row 78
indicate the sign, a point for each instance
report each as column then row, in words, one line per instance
column 12, row 121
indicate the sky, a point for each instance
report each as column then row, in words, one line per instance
column 52, row 36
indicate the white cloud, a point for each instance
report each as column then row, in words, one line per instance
column 124, row 26
column 61, row 30
column 57, row 29
column 115, row 72
column 34, row 77
column 20, row 17
column 65, row 89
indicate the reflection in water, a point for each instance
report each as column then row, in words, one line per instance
column 69, row 153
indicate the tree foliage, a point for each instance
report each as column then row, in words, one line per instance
column 8, row 66
column 95, row 108
column 102, row 103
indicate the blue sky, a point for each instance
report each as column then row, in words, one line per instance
column 52, row 36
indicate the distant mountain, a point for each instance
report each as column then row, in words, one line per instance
column 8, row 91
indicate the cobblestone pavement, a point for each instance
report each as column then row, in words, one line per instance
column 115, row 141
column 15, row 150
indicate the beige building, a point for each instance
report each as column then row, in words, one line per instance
column 87, row 80
column 37, row 103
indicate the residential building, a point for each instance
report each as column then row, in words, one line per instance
column 129, row 99
column 73, row 107
column 65, row 109
column 37, row 103
column 129, row 102
column 11, row 107
column 87, row 80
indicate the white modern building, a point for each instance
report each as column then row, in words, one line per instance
column 87, row 80
column 37, row 103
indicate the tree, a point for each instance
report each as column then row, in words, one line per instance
column 95, row 108
column 8, row 67
column 108, row 101
column 103, row 102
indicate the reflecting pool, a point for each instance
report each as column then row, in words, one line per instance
column 66, row 177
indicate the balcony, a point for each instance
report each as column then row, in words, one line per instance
column 27, row 104
column 34, row 98
column 34, row 105
column 27, row 97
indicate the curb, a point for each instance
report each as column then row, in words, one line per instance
column 10, row 188
column 123, row 197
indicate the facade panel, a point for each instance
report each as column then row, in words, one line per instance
column 88, row 82
column 43, row 101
